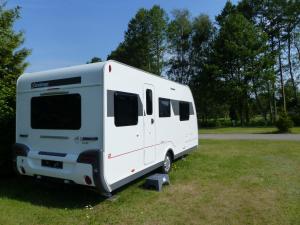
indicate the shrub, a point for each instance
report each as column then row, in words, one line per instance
column 7, row 139
column 210, row 124
column 12, row 64
column 296, row 118
column 284, row 123
column 259, row 123
column 226, row 123
column 7, row 126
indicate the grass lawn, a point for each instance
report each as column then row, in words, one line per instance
column 243, row 130
column 224, row 182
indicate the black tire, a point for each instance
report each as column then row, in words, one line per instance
column 167, row 164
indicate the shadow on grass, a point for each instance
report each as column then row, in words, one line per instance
column 50, row 195
column 267, row 132
column 57, row 195
column 275, row 132
column 54, row 195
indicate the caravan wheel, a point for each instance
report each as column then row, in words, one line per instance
column 167, row 165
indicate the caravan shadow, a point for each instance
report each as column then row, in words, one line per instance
column 51, row 195
column 54, row 195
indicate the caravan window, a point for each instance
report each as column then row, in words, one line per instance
column 57, row 112
column 125, row 109
column 149, row 108
column 164, row 107
column 184, row 111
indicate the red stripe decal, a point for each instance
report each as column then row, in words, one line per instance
column 139, row 149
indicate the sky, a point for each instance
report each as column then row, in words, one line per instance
column 63, row 33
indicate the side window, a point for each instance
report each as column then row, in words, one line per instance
column 164, row 107
column 149, row 103
column 126, row 109
column 184, row 111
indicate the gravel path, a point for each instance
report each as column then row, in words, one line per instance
column 284, row 137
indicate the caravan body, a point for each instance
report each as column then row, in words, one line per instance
column 101, row 125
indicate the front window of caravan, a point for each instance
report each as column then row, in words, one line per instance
column 56, row 112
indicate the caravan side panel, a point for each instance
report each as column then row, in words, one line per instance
column 127, row 151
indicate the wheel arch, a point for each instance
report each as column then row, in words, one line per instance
column 171, row 152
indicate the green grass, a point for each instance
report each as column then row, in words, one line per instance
column 224, row 182
column 244, row 130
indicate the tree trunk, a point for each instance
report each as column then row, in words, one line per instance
column 290, row 67
column 275, row 103
column 182, row 65
column 247, row 115
column 158, row 71
column 261, row 109
column 241, row 111
column 298, row 49
column 270, row 103
column 281, row 78
column 273, row 87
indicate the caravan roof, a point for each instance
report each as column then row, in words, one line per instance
column 89, row 74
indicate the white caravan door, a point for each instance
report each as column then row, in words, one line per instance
column 149, row 124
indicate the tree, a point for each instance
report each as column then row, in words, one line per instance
column 279, row 19
column 12, row 65
column 296, row 41
column 205, row 88
column 95, row 59
column 292, row 20
column 119, row 54
column 135, row 48
column 228, row 9
column 242, row 65
column 290, row 95
column 241, row 54
column 201, row 40
column 144, row 42
column 158, row 33
column 179, row 44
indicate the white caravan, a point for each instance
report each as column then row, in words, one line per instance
column 101, row 125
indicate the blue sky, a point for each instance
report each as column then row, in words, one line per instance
column 70, row 32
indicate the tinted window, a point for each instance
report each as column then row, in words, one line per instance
column 126, row 109
column 149, row 108
column 57, row 112
column 184, row 111
column 164, row 107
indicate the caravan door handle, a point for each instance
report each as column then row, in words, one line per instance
column 152, row 121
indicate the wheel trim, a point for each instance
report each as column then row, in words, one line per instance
column 167, row 163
